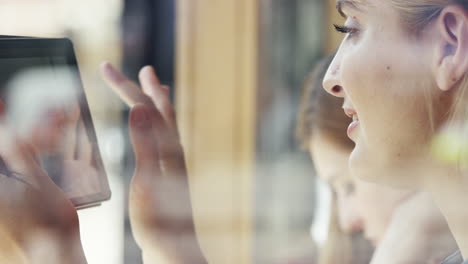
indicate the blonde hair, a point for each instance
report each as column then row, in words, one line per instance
column 415, row 15
column 322, row 112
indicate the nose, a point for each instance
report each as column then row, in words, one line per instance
column 332, row 80
column 356, row 224
column 351, row 222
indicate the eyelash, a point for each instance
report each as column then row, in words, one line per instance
column 345, row 29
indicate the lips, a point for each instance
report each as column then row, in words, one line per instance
column 351, row 128
column 352, row 114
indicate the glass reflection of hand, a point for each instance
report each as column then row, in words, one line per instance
column 36, row 218
column 62, row 144
column 160, row 206
column 47, row 131
column 80, row 176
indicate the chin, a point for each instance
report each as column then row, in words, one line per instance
column 373, row 166
column 361, row 166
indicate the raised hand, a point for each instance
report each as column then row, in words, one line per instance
column 160, row 206
column 36, row 219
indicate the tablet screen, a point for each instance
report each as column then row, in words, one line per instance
column 45, row 102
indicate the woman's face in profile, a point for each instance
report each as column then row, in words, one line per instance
column 384, row 74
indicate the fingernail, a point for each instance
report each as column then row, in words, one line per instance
column 165, row 88
column 141, row 118
column 146, row 70
column 149, row 68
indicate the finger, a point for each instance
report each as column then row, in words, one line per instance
column 34, row 152
column 169, row 111
column 18, row 157
column 48, row 131
column 172, row 161
column 9, row 149
column 145, row 148
column 127, row 90
column 171, row 155
column 85, row 147
column 3, row 168
column 71, row 143
column 41, row 178
column 2, row 109
column 159, row 95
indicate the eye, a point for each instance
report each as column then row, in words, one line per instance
column 346, row 30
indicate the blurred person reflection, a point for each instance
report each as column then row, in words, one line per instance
column 400, row 223
column 42, row 103
column 321, row 121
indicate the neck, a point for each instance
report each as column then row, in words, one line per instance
column 419, row 221
column 450, row 192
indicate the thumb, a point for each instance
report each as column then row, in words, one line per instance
column 144, row 146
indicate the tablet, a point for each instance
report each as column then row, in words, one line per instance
column 44, row 100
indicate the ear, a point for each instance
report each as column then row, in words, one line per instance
column 452, row 46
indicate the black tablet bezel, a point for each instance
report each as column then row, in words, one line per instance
column 22, row 47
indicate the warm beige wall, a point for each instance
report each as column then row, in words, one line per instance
column 216, row 87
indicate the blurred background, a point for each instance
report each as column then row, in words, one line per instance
column 236, row 68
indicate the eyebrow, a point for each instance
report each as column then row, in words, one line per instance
column 340, row 4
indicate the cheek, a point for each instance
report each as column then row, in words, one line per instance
column 388, row 94
column 368, row 70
